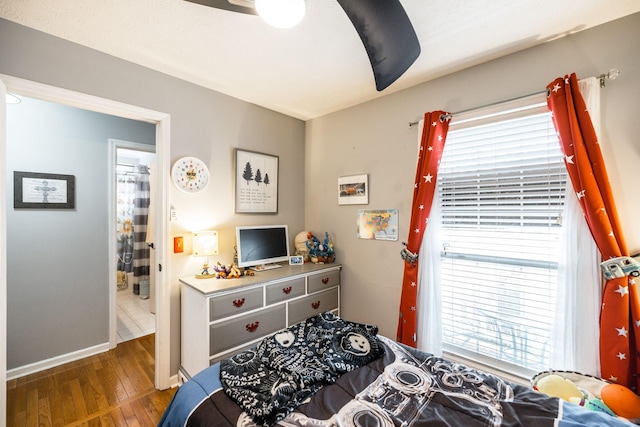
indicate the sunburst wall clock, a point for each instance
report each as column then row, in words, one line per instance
column 190, row 174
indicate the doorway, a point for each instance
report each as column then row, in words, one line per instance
column 133, row 172
column 163, row 379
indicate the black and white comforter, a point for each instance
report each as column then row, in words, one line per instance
column 292, row 365
column 329, row 372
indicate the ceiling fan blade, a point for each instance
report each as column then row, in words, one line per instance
column 242, row 6
column 388, row 37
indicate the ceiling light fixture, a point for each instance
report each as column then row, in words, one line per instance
column 281, row 13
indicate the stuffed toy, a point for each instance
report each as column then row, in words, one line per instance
column 557, row 386
column 615, row 399
column 594, row 404
column 624, row 402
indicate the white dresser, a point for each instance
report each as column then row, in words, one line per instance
column 223, row 316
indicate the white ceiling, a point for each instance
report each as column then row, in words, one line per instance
column 317, row 67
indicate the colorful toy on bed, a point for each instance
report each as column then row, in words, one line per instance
column 590, row 392
column 556, row 386
column 624, row 402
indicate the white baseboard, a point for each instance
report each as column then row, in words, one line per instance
column 175, row 380
column 55, row 361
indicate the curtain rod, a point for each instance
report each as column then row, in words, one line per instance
column 612, row 74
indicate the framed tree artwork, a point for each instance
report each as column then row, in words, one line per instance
column 256, row 182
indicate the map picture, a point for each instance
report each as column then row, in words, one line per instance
column 378, row 224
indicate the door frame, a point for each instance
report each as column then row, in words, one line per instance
column 162, row 121
column 114, row 145
column 3, row 254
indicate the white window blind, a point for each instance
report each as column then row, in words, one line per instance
column 501, row 187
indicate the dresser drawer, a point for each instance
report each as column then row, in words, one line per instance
column 318, row 282
column 312, row 305
column 287, row 289
column 232, row 333
column 235, row 303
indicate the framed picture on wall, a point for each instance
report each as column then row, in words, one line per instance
column 33, row 190
column 377, row 224
column 256, row 182
column 353, row 190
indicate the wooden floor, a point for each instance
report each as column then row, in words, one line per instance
column 110, row 389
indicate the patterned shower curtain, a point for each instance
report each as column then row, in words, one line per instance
column 126, row 186
column 140, row 221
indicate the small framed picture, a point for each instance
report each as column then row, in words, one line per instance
column 33, row 190
column 353, row 190
column 296, row 260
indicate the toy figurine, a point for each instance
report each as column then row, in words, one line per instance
column 320, row 253
column 205, row 272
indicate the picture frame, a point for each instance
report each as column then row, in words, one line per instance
column 256, row 182
column 377, row 224
column 353, row 190
column 34, row 190
column 296, row 260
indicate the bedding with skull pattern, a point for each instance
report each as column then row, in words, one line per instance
column 272, row 379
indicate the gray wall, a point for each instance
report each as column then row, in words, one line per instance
column 374, row 138
column 204, row 124
column 57, row 259
column 371, row 138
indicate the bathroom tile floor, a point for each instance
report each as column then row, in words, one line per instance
column 134, row 318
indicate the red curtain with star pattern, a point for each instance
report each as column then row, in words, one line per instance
column 434, row 133
column 620, row 312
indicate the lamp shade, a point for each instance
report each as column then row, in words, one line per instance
column 281, row 13
column 205, row 243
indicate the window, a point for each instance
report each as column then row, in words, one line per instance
column 501, row 188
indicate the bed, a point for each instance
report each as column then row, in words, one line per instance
column 326, row 371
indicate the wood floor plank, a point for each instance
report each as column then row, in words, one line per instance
column 129, row 415
column 161, row 399
column 140, row 410
column 115, row 388
column 12, row 387
column 19, row 419
column 112, row 386
column 68, row 406
column 44, row 411
column 78, row 399
column 137, row 375
column 88, row 394
column 32, row 402
column 97, row 387
column 20, row 408
column 118, row 418
column 56, row 407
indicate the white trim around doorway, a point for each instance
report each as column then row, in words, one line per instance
column 18, row 86
column 114, row 145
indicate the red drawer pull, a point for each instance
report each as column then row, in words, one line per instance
column 287, row 290
column 252, row 327
column 238, row 302
column 315, row 305
column 325, row 280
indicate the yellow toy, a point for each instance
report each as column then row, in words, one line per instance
column 557, row 386
column 612, row 399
